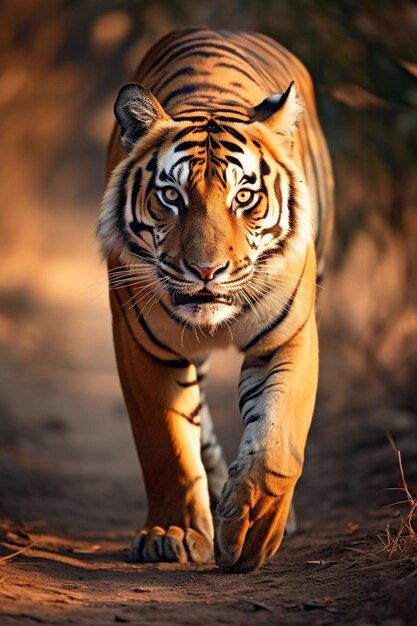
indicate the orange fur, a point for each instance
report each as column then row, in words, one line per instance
column 197, row 128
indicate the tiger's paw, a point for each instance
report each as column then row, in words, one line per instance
column 251, row 518
column 172, row 545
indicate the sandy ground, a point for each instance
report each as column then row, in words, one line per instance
column 71, row 496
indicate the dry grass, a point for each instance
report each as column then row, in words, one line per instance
column 401, row 544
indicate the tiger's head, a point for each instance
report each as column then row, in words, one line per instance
column 209, row 204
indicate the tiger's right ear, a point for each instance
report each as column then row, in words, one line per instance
column 280, row 112
column 136, row 110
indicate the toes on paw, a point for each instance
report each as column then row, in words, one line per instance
column 172, row 545
column 199, row 548
column 136, row 549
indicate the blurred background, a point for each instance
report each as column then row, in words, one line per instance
column 62, row 63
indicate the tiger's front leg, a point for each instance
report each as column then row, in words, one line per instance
column 163, row 405
column 277, row 395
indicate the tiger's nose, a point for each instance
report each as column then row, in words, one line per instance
column 205, row 271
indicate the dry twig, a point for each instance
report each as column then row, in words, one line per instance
column 8, row 557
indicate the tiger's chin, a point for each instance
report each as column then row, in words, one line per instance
column 207, row 317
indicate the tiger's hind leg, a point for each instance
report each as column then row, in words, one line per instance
column 211, row 451
column 291, row 523
column 212, row 457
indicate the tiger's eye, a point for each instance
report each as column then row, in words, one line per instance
column 244, row 196
column 171, row 194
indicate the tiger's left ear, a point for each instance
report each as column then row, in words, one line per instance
column 279, row 112
column 136, row 110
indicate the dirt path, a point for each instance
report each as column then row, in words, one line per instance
column 70, row 485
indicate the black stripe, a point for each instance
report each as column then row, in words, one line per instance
column 252, row 77
column 178, row 43
column 146, row 328
column 181, row 160
column 280, row 318
column 291, row 200
column 257, row 62
column 247, row 395
column 251, row 419
column 200, row 53
column 187, row 89
column 236, row 134
column 137, row 228
column 261, row 392
column 152, row 167
column 300, row 328
column 191, row 417
column 224, row 118
column 135, row 191
column 231, row 103
column 233, row 147
column 271, row 252
column 121, row 203
column 187, row 115
column 179, row 54
column 182, row 133
column 163, row 260
column 264, row 167
column 154, row 216
column 204, row 87
column 187, row 118
column 180, row 363
column 140, row 252
column 187, row 145
column 232, row 159
column 233, row 111
column 278, row 193
column 191, row 383
column 266, row 358
column 274, row 230
column 188, row 71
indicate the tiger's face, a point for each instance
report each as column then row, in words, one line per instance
column 213, row 206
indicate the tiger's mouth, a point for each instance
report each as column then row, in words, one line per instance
column 202, row 297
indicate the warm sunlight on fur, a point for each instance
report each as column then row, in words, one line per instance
column 216, row 208
column 216, row 145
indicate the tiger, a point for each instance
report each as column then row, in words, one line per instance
column 215, row 224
